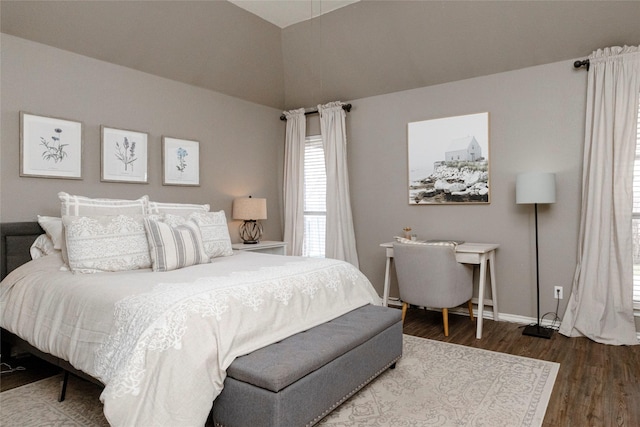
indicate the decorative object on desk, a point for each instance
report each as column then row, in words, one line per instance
column 250, row 210
column 407, row 232
column 449, row 160
column 50, row 147
column 536, row 188
column 180, row 162
column 124, row 155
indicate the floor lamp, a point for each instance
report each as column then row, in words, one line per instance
column 536, row 188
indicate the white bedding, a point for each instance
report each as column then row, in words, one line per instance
column 161, row 342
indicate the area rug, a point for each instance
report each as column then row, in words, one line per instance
column 434, row 384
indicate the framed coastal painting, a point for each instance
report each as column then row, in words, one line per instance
column 180, row 161
column 449, row 160
column 50, row 147
column 123, row 155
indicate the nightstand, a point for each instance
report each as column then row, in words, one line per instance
column 265, row 247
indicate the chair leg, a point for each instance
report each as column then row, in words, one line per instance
column 445, row 319
column 404, row 311
column 470, row 305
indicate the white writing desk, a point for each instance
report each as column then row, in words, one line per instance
column 482, row 254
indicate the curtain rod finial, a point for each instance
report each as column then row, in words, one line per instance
column 579, row 64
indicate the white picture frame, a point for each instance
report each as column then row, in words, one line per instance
column 180, row 161
column 50, row 147
column 448, row 160
column 124, row 155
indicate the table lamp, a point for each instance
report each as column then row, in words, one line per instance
column 250, row 210
column 536, row 188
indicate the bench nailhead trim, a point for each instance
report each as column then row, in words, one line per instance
column 354, row 391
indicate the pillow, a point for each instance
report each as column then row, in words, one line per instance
column 53, row 227
column 85, row 206
column 42, row 246
column 215, row 233
column 174, row 247
column 428, row 242
column 106, row 243
column 182, row 209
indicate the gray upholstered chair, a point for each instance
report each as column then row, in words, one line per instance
column 430, row 276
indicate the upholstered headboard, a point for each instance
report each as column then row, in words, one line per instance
column 15, row 240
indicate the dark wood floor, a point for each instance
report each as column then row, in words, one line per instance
column 597, row 385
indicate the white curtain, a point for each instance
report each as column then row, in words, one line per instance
column 294, row 181
column 601, row 303
column 340, row 236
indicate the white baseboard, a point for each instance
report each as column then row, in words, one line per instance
column 504, row 317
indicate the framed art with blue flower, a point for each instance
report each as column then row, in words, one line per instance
column 180, row 161
column 123, row 156
column 50, row 147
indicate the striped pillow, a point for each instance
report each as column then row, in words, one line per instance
column 174, row 247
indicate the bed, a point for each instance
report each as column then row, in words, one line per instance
column 161, row 342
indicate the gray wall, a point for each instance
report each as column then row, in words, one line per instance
column 536, row 124
column 378, row 47
column 241, row 143
column 209, row 44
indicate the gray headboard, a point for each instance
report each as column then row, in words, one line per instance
column 15, row 240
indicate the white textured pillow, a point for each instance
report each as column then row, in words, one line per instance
column 42, row 246
column 215, row 233
column 106, row 243
column 53, row 227
column 427, row 243
column 85, row 206
column 182, row 209
column 174, row 247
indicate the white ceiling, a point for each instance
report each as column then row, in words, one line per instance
column 284, row 13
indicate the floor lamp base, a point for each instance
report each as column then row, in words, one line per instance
column 538, row 331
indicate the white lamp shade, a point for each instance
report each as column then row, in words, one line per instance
column 249, row 208
column 536, row 187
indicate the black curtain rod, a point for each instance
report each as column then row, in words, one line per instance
column 345, row 107
column 583, row 63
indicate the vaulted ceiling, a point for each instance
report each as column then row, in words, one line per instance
column 366, row 48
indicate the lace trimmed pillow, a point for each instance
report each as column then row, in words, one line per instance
column 174, row 247
column 215, row 233
column 73, row 205
column 106, row 243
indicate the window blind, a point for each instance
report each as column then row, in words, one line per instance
column 636, row 219
column 315, row 200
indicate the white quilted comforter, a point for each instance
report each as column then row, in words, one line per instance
column 161, row 342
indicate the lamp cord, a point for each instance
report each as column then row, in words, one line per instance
column 537, row 265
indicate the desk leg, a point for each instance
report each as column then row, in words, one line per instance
column 494, row 287
column 481, row 285
column 385, row 292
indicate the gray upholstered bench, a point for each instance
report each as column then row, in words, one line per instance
column 299, row 380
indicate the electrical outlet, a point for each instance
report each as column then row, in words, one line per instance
column 557, row 292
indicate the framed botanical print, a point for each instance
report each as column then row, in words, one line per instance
column 180, row 161
column 449, row 160
column 50, row 147
column 124, row 155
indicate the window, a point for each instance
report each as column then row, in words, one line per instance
column 636, row 221
column 315, row 200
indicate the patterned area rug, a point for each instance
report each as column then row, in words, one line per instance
column 434, row 384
